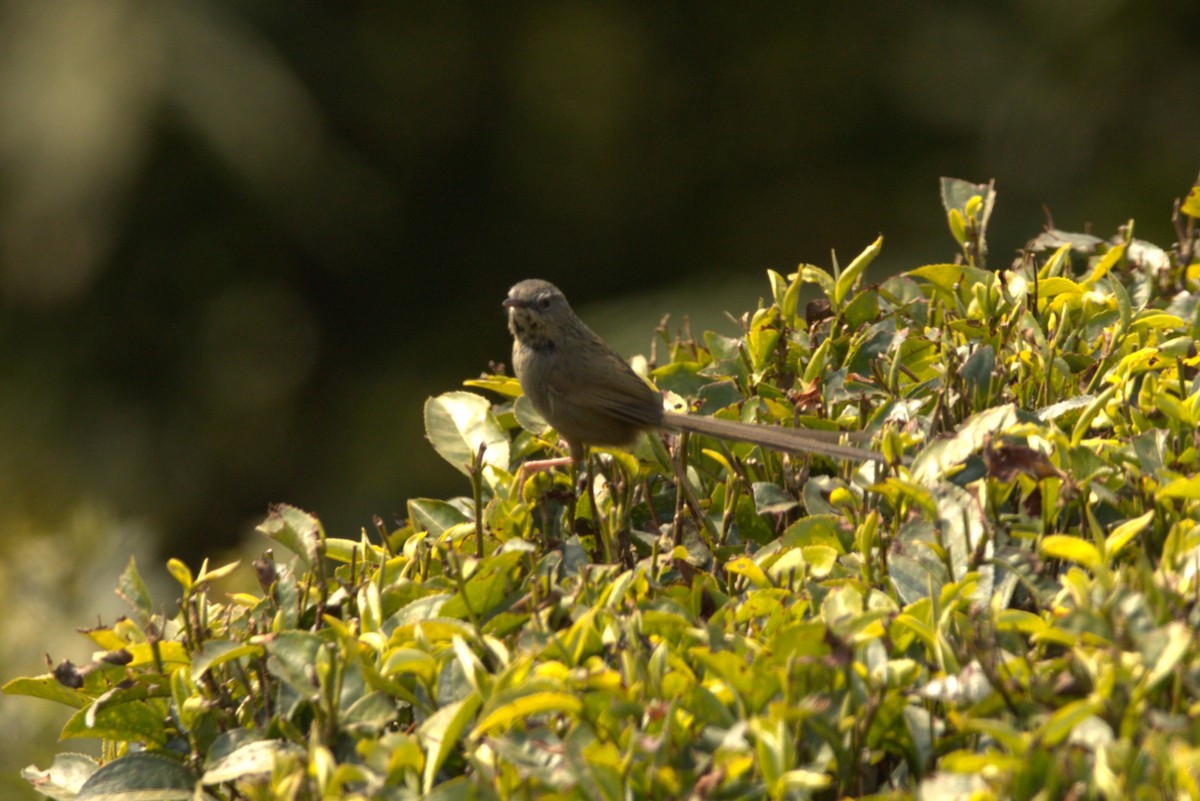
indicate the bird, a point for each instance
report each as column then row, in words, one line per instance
column 591, row 396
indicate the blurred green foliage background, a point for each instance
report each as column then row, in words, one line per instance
column 241, row 242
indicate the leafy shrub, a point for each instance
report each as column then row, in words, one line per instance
column 1007, row 609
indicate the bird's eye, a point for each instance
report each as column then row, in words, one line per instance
column 544, row 302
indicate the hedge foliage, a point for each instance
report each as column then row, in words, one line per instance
column 1007, row 609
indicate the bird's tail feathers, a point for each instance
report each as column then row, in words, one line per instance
column 791, row 440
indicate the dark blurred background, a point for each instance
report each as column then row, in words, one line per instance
column 241, row 242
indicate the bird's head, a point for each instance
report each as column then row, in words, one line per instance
column 537, row 312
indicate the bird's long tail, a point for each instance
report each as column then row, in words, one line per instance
column 791, row 440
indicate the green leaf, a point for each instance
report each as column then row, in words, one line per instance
column 47, row 688
column 435, row 516
column 441, row 733
column 140, row 776
column 1071, row 549
column 770, row 499
column 295, row 529
column 1089, row 414
column 370, row 712
column 974, row 200
column 1055, row 286
column 293, row 656
column 947, row 278
column 137, row 720
column 1124, row 533
column 1155, row 320
column 849, row 277
column 748, row 568
column 346, row 551
column 180, row 572
column 862, row 309
column 207, row 576
column 1191, row 203
column 64, row 778
column 1110, row 259
column 977, row 373
column 537, row 703
column 1020, row 621
column 254, row 758
column 779, row 286
column 401, row 662
column 1180, row 488
column 1180, row 639
column 811, row 274
column 817, row 364
column 487, row 588
column 1061, row 723
column 958, row 225
column 752, row 526
column 133, row 591
column 760, row 344
column 217, row 652
column 814, row 530
column 820, row 559
column 791, row 300
column 458, row 424
column 505, row 385
column 939, row 457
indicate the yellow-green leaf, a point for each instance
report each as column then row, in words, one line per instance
column 440, row 733
column 1122, row 534
column 811, row 274
column 1020, row 621
column 1050, row 287
column 850, row 275
column 744, row 566
column 1071, row 549
column 1181, row 488
column 1066, row 718
column 535, row 704
column 459, row 424
column 1191, row 203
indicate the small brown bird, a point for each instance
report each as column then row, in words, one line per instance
column 592, row 397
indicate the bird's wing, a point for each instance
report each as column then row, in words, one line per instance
column 624, row 395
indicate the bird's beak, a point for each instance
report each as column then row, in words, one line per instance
column 513, row 303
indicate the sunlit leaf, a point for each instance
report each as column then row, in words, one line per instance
column 1191, row 203
column 64, row 778
column 849, row 277
column 533, row 704
column 295, row 529
column 254, row 758
column 1071, row 549
column 459, row 425
column 1124, row 533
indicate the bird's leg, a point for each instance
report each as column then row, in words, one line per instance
column 536, row 466
column 532, row 466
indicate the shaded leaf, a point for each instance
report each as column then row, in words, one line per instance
column 440, row 734
column 139, row 776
